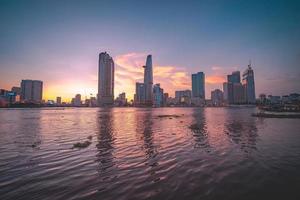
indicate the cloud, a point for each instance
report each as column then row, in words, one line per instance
column 215, row 79
column 129, row 70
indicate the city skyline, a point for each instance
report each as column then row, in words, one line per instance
column 214, row 38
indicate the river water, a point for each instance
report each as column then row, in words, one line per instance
column 135, row 153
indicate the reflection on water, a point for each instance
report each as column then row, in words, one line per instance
column 145, row 129
column 200, row 131
column 203, row 153
column 105, row 139
column 241, row 130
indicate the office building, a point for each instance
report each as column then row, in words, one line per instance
column 58, row 100
column 77, row 100
column 158, row 95
column 31, row 91
column 217, row 97
column 121, row 100
column 198, row 85
column 238, row 93
column 166, row 96
column 140, row 96
column 148, row 81
column 234, row 77
column 144, row 91
column 183, row 97
column 234, row 92
column 106, row 80
column 249, row 86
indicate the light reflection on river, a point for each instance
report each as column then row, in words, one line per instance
column 135, row 154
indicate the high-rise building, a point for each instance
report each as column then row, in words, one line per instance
column 17, row 93
column 166, row 96
column 234, row 77
column 77, row 100
column 106, row 80
column 158, row 95
column 233, row 89
column 139, row 97
column 228, row 92
column 58, row 100
column 148, row 81
column 121, row 100
column 198, row 85
column 238, row 93
column 31, row 91
column 144, row 91
column 183, row 97
column 249, row 86
column 217, row 97
column 16, row 90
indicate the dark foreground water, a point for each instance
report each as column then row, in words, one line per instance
column 134, row 154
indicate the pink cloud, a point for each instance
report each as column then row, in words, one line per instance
column 129, row 70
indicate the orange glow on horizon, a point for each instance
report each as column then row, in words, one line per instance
column 215, row 79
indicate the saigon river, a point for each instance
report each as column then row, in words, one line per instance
column 140, row 153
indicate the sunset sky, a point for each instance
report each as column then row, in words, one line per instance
column 58, row 42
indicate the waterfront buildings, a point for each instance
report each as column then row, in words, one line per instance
column 217, row 97
column 148, row 81
column 236, row 92
column 139, row 97
column 144, row 91
column 121, row 100
column 165, row 101
column 158, row 95
column 249, row 86
column 183, row 97
column 234, row 77
column 16, row 90
column 31, row 91
column 58, row 100
column 77, row 100
column 198, row 85
column 233, row 82
column 106, row 80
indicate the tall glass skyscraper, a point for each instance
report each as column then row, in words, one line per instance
column 106, row 80
column 158, row 95
column 148, row 81
column 139, row 97
column 249, row 86
column 198, row 85
column 234, row 77
column 31, row 91
column 232, row 91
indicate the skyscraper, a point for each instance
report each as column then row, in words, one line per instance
column 183, row 97
column 77, row 100
column 148, row 81
column 238, row 93
column 106, row 80
column 139, row 97
column 217, row 97
column 234, row 77
column 31, row 91
column 58, row 100
column 198, row 85
column 233, row 92
column 144, row 91
column 249, row 86
column 158, row 95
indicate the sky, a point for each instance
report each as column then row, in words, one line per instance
column 59, row 42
